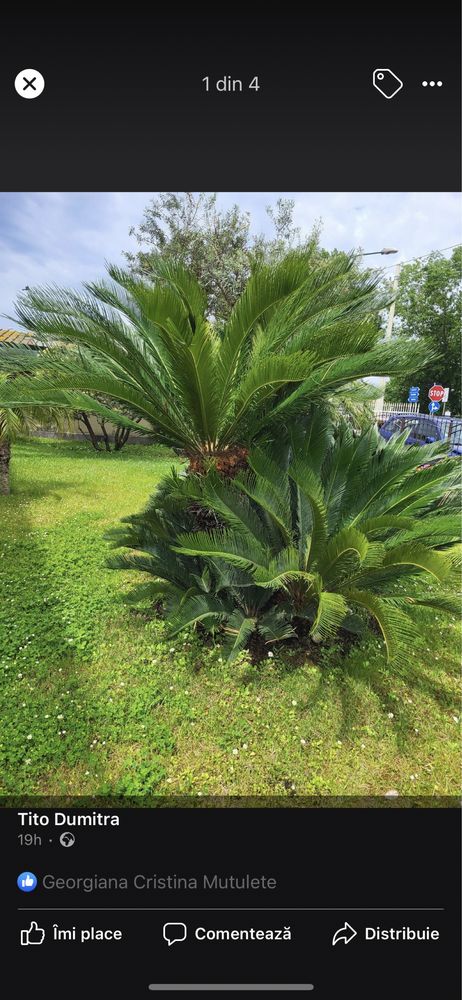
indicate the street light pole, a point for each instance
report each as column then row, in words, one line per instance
column 379, row 403
column 391, row 314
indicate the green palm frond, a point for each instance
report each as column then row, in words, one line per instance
column 198, row 608
column 302, row 330
column 345, row 542
column 275, row 626
column 441, row 602
column 237, row 632
column 239, row 550
column 419, row 555
column 399, row 632
column 331, row 612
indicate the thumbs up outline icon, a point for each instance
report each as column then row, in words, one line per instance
column 35, row 934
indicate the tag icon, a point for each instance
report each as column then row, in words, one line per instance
column 387, row 83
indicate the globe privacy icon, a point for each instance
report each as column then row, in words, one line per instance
column 26, row 881
column 387, row 83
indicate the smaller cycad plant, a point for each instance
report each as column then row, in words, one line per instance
column 322, row 531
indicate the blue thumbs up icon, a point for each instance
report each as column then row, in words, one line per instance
column 26, row 881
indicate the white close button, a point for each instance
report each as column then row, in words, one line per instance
column 29, row 83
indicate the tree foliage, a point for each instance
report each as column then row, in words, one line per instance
column 215, row 244
column 428, row 312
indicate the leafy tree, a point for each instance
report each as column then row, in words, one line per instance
column 299, row 334
column 319, row 528
column 216, row 245
column 428, row 311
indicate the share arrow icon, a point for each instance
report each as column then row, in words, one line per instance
column 345, row 933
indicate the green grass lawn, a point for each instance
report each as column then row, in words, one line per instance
column 96, row 700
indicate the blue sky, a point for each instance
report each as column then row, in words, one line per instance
column 66, row 237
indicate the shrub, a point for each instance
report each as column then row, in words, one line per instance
column 322, row 530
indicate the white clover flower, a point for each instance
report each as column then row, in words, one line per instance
column 303, row 742
column 270, row 654
column 60, row 716
column 390, row 715
column 235, row 751
column 245, row 746
column 29, row 736
column 293, row 701
column 172, row 650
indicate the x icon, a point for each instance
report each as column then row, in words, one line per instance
column 29, row 83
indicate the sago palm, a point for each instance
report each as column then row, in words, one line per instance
column 319, row 528
column 20, row 422
column 300, row 333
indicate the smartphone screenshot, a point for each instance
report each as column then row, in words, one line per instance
column 230, row 456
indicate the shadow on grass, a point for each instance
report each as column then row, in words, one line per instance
column 381, row 679
column 47, row 447
column 368, row 670
column 49, row 630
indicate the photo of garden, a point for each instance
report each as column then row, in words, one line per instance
column 230, row 495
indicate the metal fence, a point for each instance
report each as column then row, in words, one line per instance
column 387, row 408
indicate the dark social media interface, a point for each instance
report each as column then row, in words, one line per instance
column 193, row 914
column 237, row 766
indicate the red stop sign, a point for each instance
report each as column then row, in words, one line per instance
column 436, row 393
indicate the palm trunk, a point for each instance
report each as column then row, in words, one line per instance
column 227, row 462
column 5, row 454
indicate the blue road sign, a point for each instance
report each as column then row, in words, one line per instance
column 433, row 407
column 413, row 394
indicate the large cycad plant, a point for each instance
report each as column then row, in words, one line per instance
column 301, row 332
column 320, row 527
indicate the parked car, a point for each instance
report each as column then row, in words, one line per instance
column 425, row 429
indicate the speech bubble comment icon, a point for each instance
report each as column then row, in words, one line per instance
column 175, row 933
column 387, row 83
